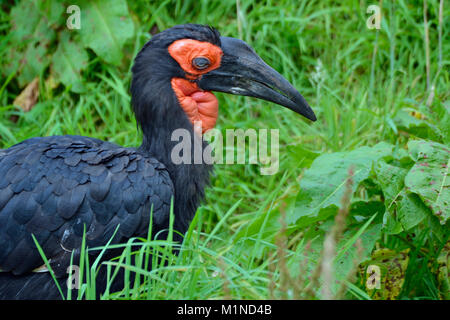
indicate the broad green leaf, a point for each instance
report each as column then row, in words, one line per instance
column 105, row 27
column 391, row 180
column 403, row 209
column 68, row 62
column 429, row 176
column 301, row 155
column 392, row 266
column 391, row 224
column 35, row 60
column 24, row 19
column 411, row 210
column 323, row 184
column 54, row 11
column 30, row 38
column 348, row 252
column 421, row 128
column 360, row 210
column 347, row 255
column 439, row 231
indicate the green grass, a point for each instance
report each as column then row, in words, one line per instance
column 358, row 81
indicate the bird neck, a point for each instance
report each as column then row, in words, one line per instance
column 168, row 136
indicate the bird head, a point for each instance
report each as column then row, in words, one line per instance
column 193, row 60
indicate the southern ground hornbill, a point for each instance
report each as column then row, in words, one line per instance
column 57, row 187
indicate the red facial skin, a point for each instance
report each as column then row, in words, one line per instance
column 198, row 105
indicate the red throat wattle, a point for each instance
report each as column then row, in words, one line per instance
column 198, row 105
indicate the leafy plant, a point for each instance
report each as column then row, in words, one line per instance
column 40, row 44
column 409, row 189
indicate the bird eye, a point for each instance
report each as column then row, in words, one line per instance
column 201, row 63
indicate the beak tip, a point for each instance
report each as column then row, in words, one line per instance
column 312, row 116
column 305, row 110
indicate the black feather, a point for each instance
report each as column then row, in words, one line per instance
column 73, row 160
column 69, row 202
column 98, row 191
column 5, row 196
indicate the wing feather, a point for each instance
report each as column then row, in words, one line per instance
column 58, row 187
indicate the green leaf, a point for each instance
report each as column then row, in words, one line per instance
column 347, row 255
column 301, row 155
column 429, row 176
column 30, row 38
column 418, row 127
column 322, row 185
column 391, row 225
column 392, row 266
column 68, row 62
column 24, row 19
column 361, row 210
column 391, row 180
column 411, row 210
column 347, row 252
column 105, row 27
column 404, row 210
column 34, row 63
column 439, row 231
column 54, row 12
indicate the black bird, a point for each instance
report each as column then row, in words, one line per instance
column 57, row 187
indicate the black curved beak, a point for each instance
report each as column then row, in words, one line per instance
column 243, row 72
